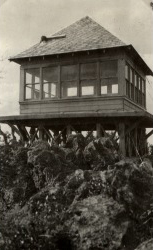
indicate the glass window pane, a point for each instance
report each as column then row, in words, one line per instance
column 50, row 74
column 127, row 88
column 36, row 91
column 45, row 90
column 88, row 71
column 126, row 71
column 28, row 92
column 132, row 91
column 49, row 90
column 88, row 87
column 143, row 86
column 72, row 91
column 69, row 72
column 139, row 80
column 87, row 90
column 131, row 75
column 108, row 68
column 135, row 80
column 109, row 81
column 114, row 88
column 69, row 89
column 32, row 76
column 104, row 90
column 28, row 78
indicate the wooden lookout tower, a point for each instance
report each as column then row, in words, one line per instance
column 83, row 78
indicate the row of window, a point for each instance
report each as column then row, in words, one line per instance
column 135, row 85
column 75, row 80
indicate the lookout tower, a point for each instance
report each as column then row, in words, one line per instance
column 83, row 78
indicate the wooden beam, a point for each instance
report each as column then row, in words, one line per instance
column 149, row 134
column 41, row 133
column 23, row 132
column 122, row 138
column 98, row 130
column 68, row 130
column 4, row 136
column 135, row 125
column 34, row 135
column 14, row 129
column 90, row 133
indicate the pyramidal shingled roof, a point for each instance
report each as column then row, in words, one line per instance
column 85, row 34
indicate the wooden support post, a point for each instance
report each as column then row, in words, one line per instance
column 4, row 136
column 130, row 145
column 98, row 130
column 68, row 130
column 41, row 133
column 24, row 134
column 122, row 138
column 64, row 136
column 56, row 137
column 136, row 141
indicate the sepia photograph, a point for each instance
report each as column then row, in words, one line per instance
column 76, row 125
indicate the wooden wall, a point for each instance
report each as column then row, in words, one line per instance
column 92, row 104
column 109, row 103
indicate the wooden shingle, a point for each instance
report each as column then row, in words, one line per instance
column 83, row 35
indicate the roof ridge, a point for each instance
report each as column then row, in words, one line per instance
column 75, row 22
column 91, row 20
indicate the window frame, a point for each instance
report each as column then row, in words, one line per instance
column 32, row 85
column 136, row 84
column 49, row 83
column 109, row 86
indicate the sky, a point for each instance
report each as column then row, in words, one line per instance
column 22, row 23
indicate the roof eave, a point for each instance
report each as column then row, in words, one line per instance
column 129, row 48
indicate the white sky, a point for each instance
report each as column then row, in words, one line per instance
column 22, row 23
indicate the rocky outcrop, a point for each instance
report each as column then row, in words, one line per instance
column 147, row 245
column 100, row 153
column 75, row 197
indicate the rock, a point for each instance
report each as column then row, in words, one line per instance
column 94, row 223
column 100, row 153
column 36, row 148
column 147, row 245
column 131, row 185
column 76, row 142
column 146, row 166
column 1, row 240
column 46, row 167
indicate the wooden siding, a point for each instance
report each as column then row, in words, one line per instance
column 131, row 106
column 98, row 104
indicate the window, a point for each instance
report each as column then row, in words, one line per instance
column 140, row 90
column 143, row 93
column 32, row 84
column 88, row 87
column 132, row 83
column 50, row 80
column 135, row 85
column 88, row 76
column 69, row 75
column 108, row 75
column 127, row 77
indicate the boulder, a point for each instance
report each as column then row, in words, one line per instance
column 46, row 167
column 95, row 223
column 100, row 153
column 131, row 184
column 76, row 142
column 147, row 245
column 36, row 148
